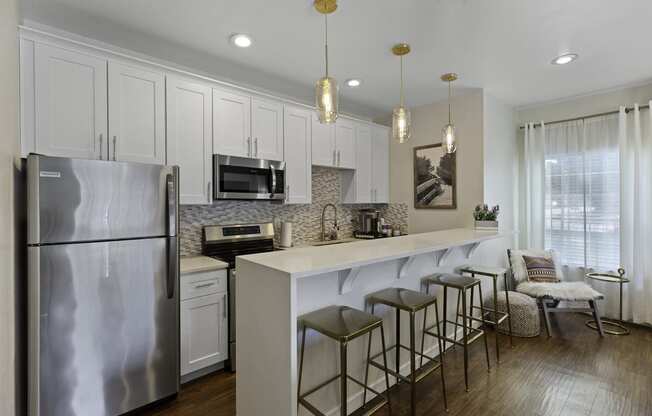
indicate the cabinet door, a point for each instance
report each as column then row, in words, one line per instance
column 298, row 155
column 204, row 335
column 345, row 143
column 136, row 114
column 323, row 143
column 363, row 170
column 267, row 129
column 231, row 123
column 70, row 103
column 189, row 138
column 380, row 164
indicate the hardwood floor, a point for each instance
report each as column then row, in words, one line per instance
column 575, row 373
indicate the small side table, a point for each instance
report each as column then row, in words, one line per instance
column 612, row 326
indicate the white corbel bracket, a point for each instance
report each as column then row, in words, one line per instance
column 346, row 279
column 405, row 266
column 469, row 249
column 440, row 256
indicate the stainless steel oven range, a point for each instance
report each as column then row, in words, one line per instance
column 225, row 242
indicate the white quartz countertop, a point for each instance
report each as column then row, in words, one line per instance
column 194, row 264
column 306, row 261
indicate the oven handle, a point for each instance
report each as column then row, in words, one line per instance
column 273, row 188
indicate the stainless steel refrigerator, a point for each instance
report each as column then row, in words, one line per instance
column 103, row 274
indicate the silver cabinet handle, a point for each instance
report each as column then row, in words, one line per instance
column 115, row 141
column 208, row 192
column 204, row 285
column 339, row 158
column 101, row 140
column 256, row 147
column 249, row 147
column 334, row 157
column 224, row 306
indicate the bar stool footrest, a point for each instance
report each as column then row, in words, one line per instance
column 473, row 333
column 423, row 371
column 502, row 316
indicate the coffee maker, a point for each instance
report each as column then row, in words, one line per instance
column 368, row 224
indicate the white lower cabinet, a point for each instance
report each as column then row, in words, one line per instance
column 204, row 320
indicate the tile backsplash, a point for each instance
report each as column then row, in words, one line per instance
column 306, row 219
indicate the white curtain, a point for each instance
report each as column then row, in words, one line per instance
column 635, row 140
column 533, row 203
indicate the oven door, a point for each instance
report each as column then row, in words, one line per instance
column 245, row 178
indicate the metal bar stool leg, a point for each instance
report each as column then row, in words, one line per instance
column 398, row 344
column 343, row 379
column 441, row 359
column 423, row 333
column 303, row 350
column 413, row 369
column 464, row 341
column 382, row 338
column 366, row 371
column 445, row 316
column 509, row 312
column 470, row 315
column 486, row 344
column 495, row 282
column 457, row 315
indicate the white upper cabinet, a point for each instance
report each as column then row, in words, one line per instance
column 136, row 114
column 267, row 129
column 70, row 103
column 298, row 155
column 380, row 164
column 189, row 138
column 363, row 169
column 323, row 143
column 345, row 143
column 231, row 123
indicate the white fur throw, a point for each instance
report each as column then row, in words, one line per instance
column 563, row 291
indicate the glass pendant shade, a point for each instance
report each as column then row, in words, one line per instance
column 448, row 138
column 401, row 123
column 326, row 93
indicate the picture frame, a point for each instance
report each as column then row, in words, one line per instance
column 435, row 178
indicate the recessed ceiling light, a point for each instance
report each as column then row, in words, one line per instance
column 564, row 59
column 241, row 40
column 353, row 82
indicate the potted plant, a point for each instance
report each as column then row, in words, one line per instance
column 486, row 218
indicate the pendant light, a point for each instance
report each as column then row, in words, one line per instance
column 448, row 132
column 401, row 120
column 326, row 89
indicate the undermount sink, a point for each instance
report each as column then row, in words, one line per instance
column 331, row 242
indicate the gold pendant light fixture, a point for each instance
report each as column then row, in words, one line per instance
column 448, row 132
column 326, row 89
column 401, row 120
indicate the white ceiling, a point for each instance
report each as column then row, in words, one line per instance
column 503, row 46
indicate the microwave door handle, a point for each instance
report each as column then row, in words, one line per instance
column 273, row 188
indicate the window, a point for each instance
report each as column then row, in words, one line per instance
column 582, row 193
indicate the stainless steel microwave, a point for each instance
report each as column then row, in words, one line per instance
column 245, row 178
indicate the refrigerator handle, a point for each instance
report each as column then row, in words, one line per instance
column 173, row 266
column 171, row 188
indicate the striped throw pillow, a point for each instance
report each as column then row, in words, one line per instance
column 540, row 269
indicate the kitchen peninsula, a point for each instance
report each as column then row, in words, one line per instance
column 273, row 289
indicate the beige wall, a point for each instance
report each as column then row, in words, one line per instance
column 500, row 159
column 427, row 122
column 9, row 150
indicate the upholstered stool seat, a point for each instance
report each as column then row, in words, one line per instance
column 524, row 314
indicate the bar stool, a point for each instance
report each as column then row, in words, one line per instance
column 499, row 317
column 463, row 284
column 412, row 302
column 343, row 324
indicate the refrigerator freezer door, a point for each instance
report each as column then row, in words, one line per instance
column 106, row 328
column 93, row 200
